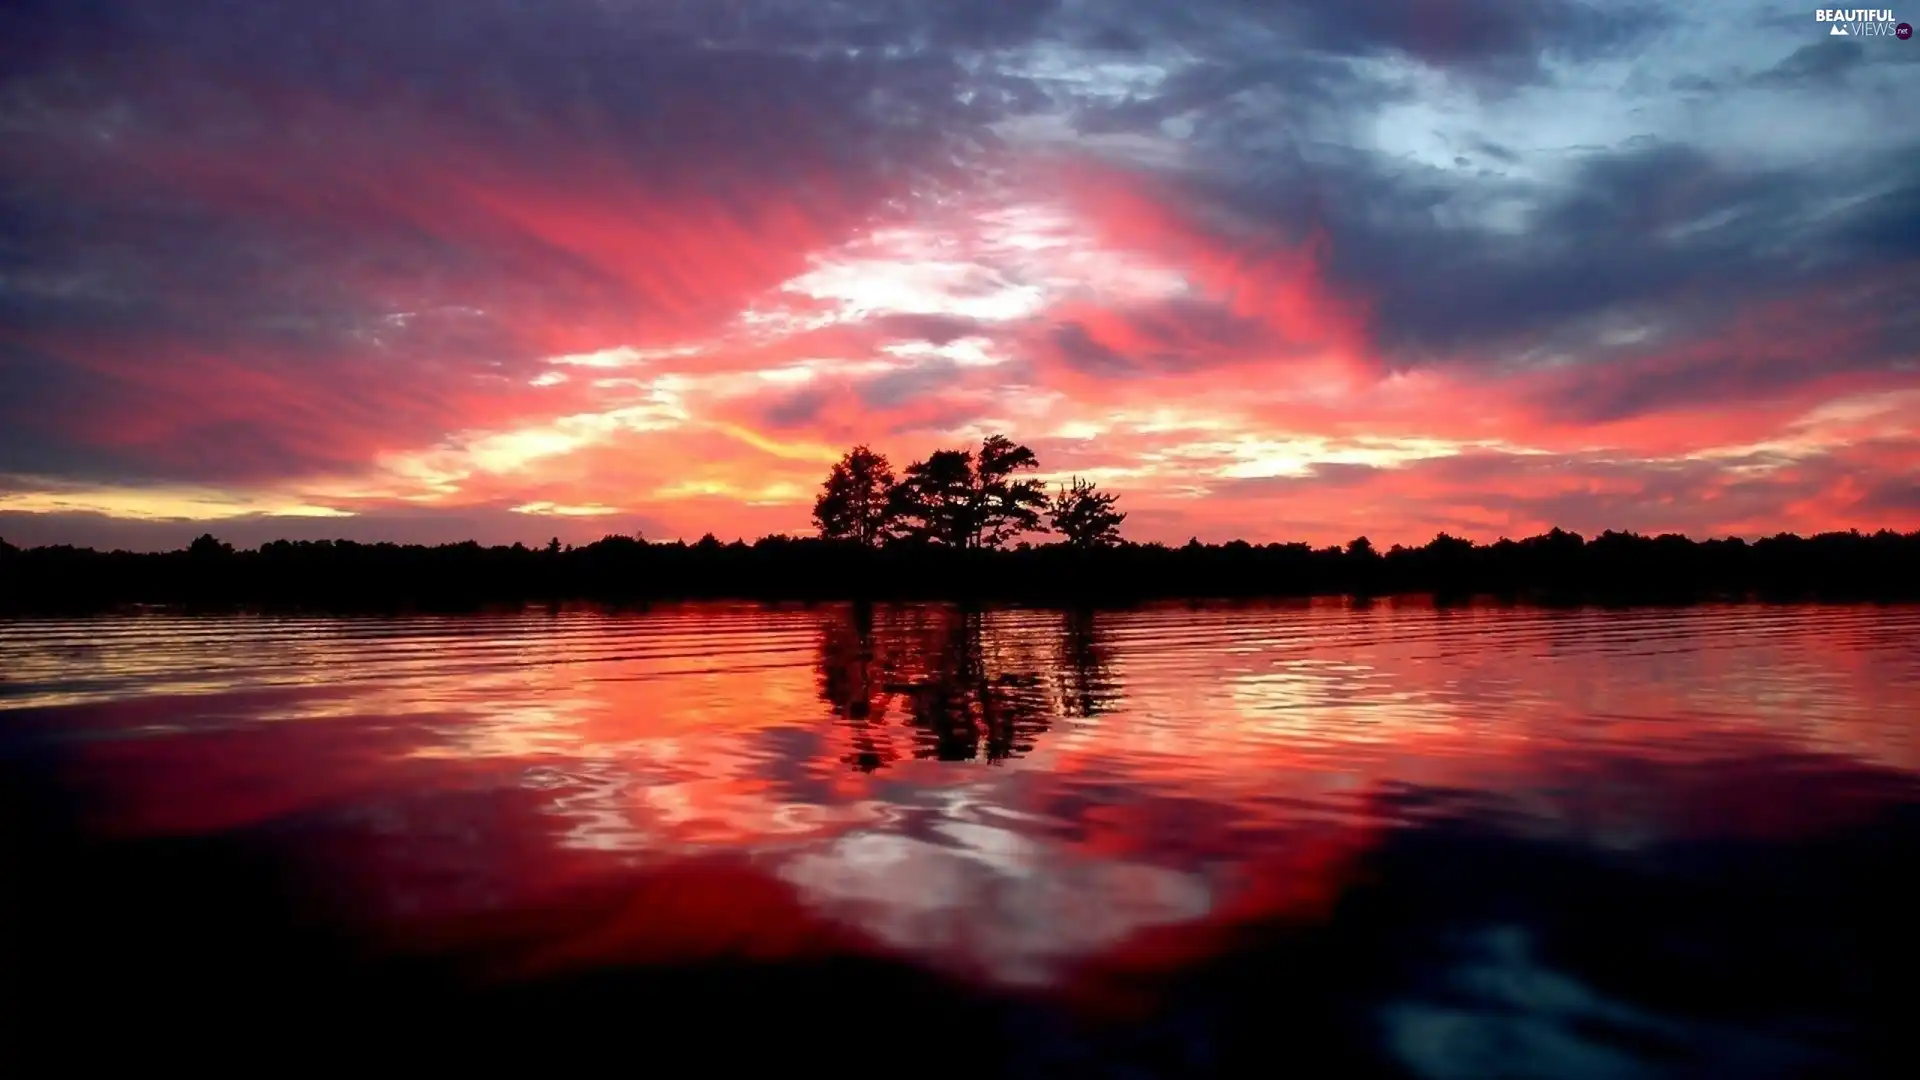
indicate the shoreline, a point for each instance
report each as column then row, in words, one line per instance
column 1059, row 602
column 1558, row 569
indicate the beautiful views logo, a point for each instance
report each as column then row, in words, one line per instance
column 1862, row 22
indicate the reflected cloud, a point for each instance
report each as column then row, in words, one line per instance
column 1015, row 793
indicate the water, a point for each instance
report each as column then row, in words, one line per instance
column 1385, row 838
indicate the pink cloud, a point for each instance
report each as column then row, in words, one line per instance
column 1240, row 394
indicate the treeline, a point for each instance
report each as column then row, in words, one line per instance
column 950, row 527
column 1557, row 567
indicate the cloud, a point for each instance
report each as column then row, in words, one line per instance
column 1492, row 34
column 1451, row 263
column 1898, row 496
column 1824, row 61
column 487, row 524
column 1271, row 266
column 386, row 218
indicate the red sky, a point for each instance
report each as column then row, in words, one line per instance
column 412, row 274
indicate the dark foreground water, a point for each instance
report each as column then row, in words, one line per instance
column 1319, row 840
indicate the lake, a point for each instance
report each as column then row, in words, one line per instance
column 1348, row 838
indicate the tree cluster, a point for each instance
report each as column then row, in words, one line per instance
column 965, row 499
column 1556, row 567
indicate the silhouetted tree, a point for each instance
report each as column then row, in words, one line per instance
column 1002, row 506
column 934, row 501
column 206, row 546
column 1085, row 515
column 1557, row 567
column 961, row 499
column 856, row 501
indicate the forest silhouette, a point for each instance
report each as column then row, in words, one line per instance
column 956, row 526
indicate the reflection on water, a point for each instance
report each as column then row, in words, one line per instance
column 1446, row 841
column 963, row 690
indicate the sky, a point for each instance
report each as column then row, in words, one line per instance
column 1269, row 269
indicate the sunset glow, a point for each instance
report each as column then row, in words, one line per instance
column 427, row 272
column 930, row 782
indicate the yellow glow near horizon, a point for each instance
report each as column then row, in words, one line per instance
column 563, row 510
column 774, row 494
column 162, row 504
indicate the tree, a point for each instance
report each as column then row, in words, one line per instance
column 1002, row 506
column 206, row 546
column 856, row 501
column 1085, row 515
column 935, row 500
column 961, row 499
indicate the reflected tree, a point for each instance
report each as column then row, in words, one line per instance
column 853, row 679
column 1088, row 686
column 967, row 694
column 968, row 689
column 964, row 693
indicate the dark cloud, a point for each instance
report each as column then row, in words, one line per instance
column 935, row 329
column 1742, row 358
column 1656, row 497
column 1645, row 191
column 1693, row 84
column 1826, row 61
column 1653, row 230
column 1083, row 352
column 1893, row 495
column 1167, row 337
column 1883, row 228
column 1507, row 251
column 1489, row 491
column 1492, row 33
column 1503, row 154
column 364, row 205
column 896, row 388
column 1277, row 74
column 490, row 525
column 1234, row 95
column 793, row 410
column 983, row 23
column 941, row 420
